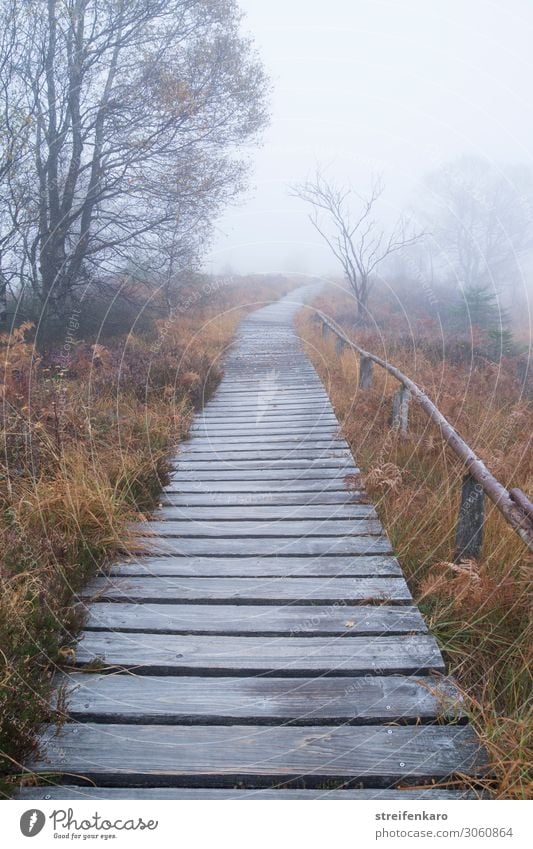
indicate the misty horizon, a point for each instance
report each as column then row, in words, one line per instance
column 376, row 87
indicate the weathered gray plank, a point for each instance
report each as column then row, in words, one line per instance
column 303, row 387
column 228, row 392
column 257, row 456
column 220, row 431
column 223, row 754
column 302, row 422
column 163, row 654
column 274, row 528
column 260, row 567
column 275, row 470
column 231, row 391
column 252, row 499
column 252, row 492
column 335, row 459
column 260, row 406
column 250, row 590
column 268, row 620
column 256, row 701
column 209, row 794
column 266, row 513
column 259, row 414
column 297, row 402
column 309, row 415
column 229, row 398
column 274, row 419
column 264, row 546
column 252, row 443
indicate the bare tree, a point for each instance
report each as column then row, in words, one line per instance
column 136, row 109
column 480, row 218
column 345, row 219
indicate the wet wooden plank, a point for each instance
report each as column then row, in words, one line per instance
column 252, row 389
column 313, row 397
column 268, row 425
column 280, row 419
column 261, row 567
column 253, row 442
column 250, row 590
column 228, row 392
column 274, row 528
column 163, row 654
column 235, row 431
column 252, row 499
column 223, row 754
column 335, row 459
column 71, row 791
column 264, row 546
column 267, row 487
column 266, row 513
column 273, row 470
column 267, row 620
column 258, row 456
column 297, row 400
column 259, row 406
column 256, row 701
column 305, row 386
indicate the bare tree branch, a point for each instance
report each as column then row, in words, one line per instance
column 357, row 241
column 132, row 112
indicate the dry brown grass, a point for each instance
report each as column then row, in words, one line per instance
column 85, row 448
column 479, row 611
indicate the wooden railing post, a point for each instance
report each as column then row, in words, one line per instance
column 400, row 409
column 516, row 508
column 524, row 374
column 339, row 346
column 365, row 372
column 469, row 531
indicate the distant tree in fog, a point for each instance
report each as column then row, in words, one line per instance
column 345, row 219
column 480, row 220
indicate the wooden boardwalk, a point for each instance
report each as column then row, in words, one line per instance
column 264, row 644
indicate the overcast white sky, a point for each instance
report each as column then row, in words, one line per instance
column 396, row 86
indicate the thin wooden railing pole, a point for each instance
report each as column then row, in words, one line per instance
column 517, row 517
column 522, row 500
column 524, row 374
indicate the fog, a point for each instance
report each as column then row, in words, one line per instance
column 374, row 85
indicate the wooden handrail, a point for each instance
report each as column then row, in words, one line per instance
column 515, row 507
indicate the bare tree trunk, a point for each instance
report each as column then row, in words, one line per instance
column 138, row 109
column 362, row 318
column 356, row 240
column 3, row 296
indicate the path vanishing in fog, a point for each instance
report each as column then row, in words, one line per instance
column 264, row 644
